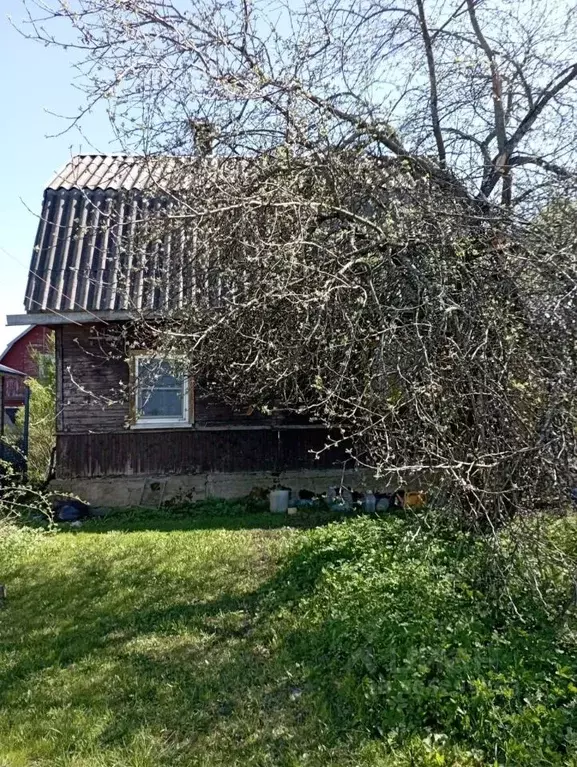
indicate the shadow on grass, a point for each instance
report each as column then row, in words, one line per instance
column 102, row 640
column 166, row 520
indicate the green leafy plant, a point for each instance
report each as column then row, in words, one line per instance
column 405, row 635
column 42, row 429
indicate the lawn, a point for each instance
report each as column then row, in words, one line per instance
column 128, row 646
column 202, row 638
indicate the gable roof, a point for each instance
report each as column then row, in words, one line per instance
column 84, row 256
column 14, row 341
column 100, row 250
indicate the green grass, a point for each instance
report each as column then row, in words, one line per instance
column 227, row 638
column 121, row 645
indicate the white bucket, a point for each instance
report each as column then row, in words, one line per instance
column 279, row 501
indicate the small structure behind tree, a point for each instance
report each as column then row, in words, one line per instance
column 13, row 453
column 27, row 353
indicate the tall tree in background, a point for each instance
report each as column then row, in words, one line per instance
column 396, row 257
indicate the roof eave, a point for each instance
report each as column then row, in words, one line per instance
column 67, row 318
column 6, row 371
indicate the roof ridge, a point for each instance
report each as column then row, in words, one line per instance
column 12, row 343
column 115, row 171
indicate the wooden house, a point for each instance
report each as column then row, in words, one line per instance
column 130, row 428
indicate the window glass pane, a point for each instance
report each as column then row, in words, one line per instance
column 157, row 373
column 161, row 403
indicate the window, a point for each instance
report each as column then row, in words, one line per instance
column 161, row 393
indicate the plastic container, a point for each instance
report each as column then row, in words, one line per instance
column 369, row 502
column 347, row 498
column 415, row 498
column 279, row 501
column 383, row 504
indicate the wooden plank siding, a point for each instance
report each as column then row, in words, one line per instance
column 192, row 452
column 93, row 376
column 94, row 439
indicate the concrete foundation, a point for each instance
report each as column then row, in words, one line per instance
column 154, row 491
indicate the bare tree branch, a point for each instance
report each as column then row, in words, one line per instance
column 558, row 170
column 432, row 84
column 321, row 261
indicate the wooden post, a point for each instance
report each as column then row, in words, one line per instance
column 26, row 429
column 2, row 400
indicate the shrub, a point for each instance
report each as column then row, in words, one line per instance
column 406, row 636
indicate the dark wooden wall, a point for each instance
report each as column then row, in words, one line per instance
column 93, row 376
column 94, row 439
column 91, row 373
column 191, row 452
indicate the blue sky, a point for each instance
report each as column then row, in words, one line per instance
column 34, row 80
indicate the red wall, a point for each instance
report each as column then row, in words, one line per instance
column 18, row 357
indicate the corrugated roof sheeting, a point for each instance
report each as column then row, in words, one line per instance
column 97, row 250
column 126, row 172
column 107, row 239
column 110, row 237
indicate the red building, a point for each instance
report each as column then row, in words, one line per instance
column 19, row 355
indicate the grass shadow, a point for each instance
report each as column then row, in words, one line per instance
column 167, row 520
column 210, row 646
column 110, row 638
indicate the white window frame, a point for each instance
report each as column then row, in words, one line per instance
column 151, row 422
